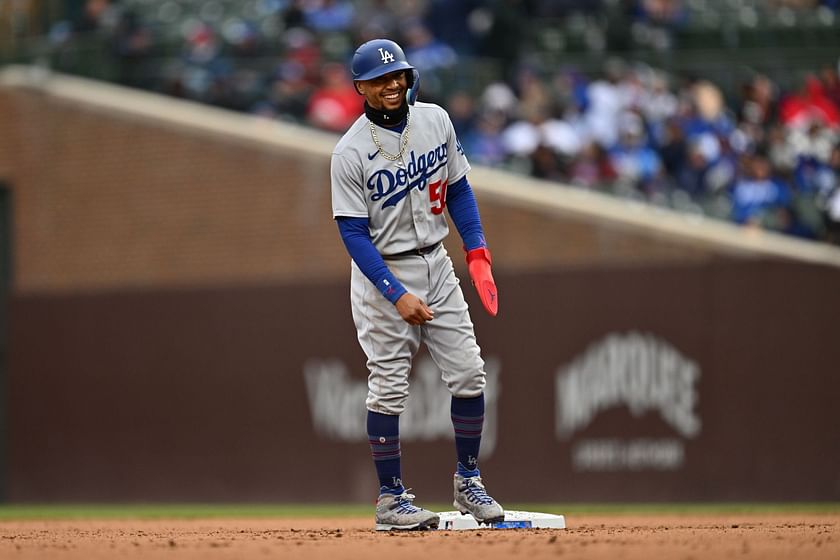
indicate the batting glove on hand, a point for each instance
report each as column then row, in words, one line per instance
column 479, row 261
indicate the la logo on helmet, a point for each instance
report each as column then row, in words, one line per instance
column 386, row 56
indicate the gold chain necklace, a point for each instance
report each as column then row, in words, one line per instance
column 403, row 136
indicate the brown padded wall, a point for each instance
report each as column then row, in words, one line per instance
column 201, row 395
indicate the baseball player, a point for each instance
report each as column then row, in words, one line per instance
column 393, row 174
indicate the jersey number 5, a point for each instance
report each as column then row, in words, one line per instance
column 437, row 196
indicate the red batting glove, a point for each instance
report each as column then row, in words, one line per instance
column 478, row 261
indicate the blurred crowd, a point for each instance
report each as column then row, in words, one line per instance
column 761, row 156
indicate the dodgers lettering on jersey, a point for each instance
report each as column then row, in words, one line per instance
column 404, row 200
column 415, row 174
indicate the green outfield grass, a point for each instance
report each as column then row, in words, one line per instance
column 218, row 511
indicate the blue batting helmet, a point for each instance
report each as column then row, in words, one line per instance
column 376, row 58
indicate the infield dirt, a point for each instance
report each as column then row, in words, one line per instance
column 697, row 537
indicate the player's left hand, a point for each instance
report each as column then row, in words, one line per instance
column 479, row 261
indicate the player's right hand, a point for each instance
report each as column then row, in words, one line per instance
column 412, row 309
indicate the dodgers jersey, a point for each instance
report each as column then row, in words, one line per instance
column 404, row 200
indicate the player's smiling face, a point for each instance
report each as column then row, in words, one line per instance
column 385, row 92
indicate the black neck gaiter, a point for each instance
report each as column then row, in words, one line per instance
column 387, row 119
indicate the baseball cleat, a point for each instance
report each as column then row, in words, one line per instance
column 396, row 512
column 472, row 498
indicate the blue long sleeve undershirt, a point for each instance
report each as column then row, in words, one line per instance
column 463, row 209
column 355, row 232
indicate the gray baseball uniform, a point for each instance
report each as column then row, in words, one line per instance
column 404, row 201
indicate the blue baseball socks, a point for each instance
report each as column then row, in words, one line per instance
column 468, row 421
column 384, row 437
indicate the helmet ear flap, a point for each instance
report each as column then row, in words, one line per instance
column 413, row 79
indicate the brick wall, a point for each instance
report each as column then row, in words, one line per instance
column 104, row 200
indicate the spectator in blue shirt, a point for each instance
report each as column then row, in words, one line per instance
column 760, row 199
